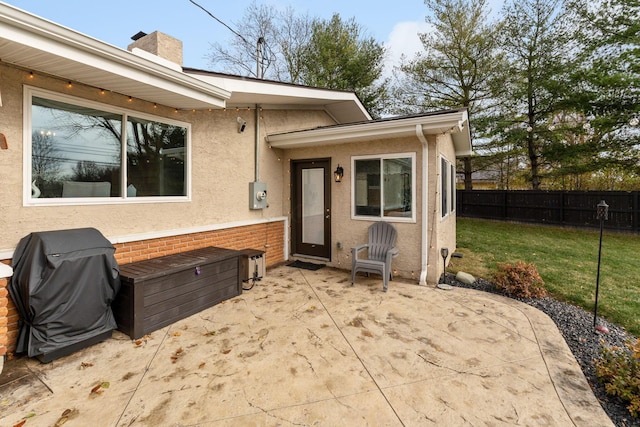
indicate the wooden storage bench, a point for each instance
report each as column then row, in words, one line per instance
column 157, row 292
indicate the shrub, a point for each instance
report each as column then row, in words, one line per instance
column 520, row 279
column 619, row 370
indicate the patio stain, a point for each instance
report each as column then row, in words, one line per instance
column 357, row 322
column 157, row 415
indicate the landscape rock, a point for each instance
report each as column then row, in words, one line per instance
column 465, row 278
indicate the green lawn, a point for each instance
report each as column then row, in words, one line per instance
column 567, row 260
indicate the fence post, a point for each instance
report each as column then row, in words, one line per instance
column 635, row 226
column 504, row 204
column 562, row 193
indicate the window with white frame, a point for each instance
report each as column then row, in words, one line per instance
column 447, row 187
column 384, row 187
column 81, row 151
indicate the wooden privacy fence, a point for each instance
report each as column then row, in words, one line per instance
column 565, row 208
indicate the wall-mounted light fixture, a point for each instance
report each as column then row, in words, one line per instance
column 242, row 124
column 338, row 174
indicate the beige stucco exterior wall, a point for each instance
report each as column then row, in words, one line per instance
column 446, row 226
column 441, row 232
column 222, row 165
column 351, row 232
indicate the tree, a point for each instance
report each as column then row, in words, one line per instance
column 459, row 65
column 284, row 35
column 296, row 49
column 606, row 82
column 340, row 57
column 534, row 44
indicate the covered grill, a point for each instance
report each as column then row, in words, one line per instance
column 63, row 285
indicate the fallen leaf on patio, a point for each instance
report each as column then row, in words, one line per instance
column 178, row 351
column 139, row 342
column 226, row 351
column 200, row 366
column 20, row 424
column 105, row 384
column 96, row 390
column 177, row 333
column 84, row 365
column 30, row 415
column 66, row 416
column 210, row 333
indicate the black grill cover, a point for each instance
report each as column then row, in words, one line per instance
column 63, row 284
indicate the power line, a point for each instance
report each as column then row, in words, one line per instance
column 228, row 27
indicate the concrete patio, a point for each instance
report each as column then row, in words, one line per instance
column 305, row 348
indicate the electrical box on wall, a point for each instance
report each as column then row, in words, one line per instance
column 257, row 195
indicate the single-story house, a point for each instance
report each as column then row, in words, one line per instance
column 163, row 159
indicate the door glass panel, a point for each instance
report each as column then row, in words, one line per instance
column 313, row 206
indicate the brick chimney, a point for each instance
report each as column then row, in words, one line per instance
column 158, row 44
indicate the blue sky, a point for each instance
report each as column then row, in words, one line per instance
column 394, row 23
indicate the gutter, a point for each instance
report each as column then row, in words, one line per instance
column 424, row 250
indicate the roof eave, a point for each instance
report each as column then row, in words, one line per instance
column 31, row 42
column 455, row 122
column 342, row 106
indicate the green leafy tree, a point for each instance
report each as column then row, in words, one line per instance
column 339, row 56
column 458, row 67
column 606, row 84
column 536, row 48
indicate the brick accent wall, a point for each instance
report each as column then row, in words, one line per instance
column 267, row 237
column 4, row 318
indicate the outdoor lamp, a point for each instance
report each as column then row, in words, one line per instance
column 602, row 214
column 338, row 174
column 444, row 253
column 602, row 211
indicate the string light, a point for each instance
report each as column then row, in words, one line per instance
column 31, row 76
column 69, row 85
column 102, row 92
column 130, row 99
column 155, row 105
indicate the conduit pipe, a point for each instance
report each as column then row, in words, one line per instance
column 257, row 148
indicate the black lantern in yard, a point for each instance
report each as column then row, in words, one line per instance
column 602, row 215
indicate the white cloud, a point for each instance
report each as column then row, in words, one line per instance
column 403, row 39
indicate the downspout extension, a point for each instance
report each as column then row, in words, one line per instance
column 424, row 256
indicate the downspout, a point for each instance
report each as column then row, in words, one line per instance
column 424, row 256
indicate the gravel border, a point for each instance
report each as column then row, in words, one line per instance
column 576, row 326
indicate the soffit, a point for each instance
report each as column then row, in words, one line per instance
column 42, row 46
column 343, row 106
